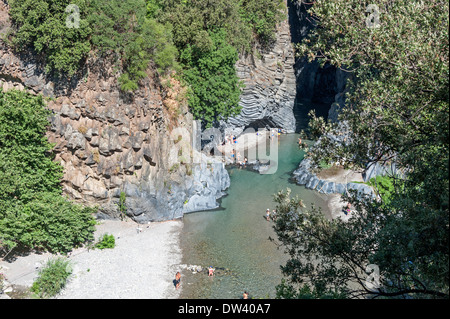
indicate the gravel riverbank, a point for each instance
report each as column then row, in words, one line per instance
column 142, row 264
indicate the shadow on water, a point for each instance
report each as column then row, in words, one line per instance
column 236, row 237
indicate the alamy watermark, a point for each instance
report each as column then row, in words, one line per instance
column 73, row 19
column 373, row 19
column 372, row 281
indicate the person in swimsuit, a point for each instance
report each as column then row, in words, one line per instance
column 210, row 271
column 177, row 280
column 347, row 209
column 268, row 214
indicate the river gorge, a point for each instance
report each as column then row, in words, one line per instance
column 110, row 143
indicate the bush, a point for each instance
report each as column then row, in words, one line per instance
column 385, row 187
column 41, row 24
column 33, row 214
column 117, row 28
column 107, row 241
column 52, row 278
column 214, row 88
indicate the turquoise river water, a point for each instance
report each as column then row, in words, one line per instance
column 235, row 238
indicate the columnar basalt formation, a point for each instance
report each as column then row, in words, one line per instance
column 268, row 97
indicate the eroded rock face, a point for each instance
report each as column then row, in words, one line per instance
column 268, row 97
column 109, row 142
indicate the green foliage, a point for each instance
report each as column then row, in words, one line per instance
column 214, row 88
column 52, row 278
column 117, row 29
column 286, row 291
column 316, row 125
column 41, row 24
column 106, row 242
column 396, row 111
column 123, row 28
column 263, row 16
column 330, row 256
column 137, row 33
column 193, row 19
column 26, row 167
column 33, row 214
column 2, row 284
column 384, row 186
column 209, row 35
column 122, row 205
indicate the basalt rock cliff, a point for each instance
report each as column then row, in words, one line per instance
column 270, row 88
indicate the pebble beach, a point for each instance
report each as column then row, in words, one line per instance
column 142, row 265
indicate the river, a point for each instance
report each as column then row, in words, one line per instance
column 234, row 239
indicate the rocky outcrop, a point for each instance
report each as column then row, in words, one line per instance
column 109, row 142
column 268, row 97
column 304, row 175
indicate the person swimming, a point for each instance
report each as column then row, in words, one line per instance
column 177, row 280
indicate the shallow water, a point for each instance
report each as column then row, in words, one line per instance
column 235, row 238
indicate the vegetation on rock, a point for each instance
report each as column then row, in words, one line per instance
column 396, row 111
column 33, row 213
column 135, row 34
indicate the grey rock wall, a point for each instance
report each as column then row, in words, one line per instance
column 268, row 97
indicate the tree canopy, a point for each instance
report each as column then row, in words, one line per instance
column 33, row 213
column 396, row 112
column 135, row 34
column 118, row 28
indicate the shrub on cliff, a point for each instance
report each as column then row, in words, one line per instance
column 214, row 88
column 41, row 25
column 209, row 36
column 65, row 31
column 122, row 27
column 33, row 213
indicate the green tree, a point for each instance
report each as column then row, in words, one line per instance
column 41, row 25
column 124, row 32
column 116, row 29
column 263, row 16
column 214, row 88
column 396, row 55
column 33, row 214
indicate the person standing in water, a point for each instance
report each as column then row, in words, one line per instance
column 268, row 214
column 211, row 271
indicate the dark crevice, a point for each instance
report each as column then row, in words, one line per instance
column 316, row 87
